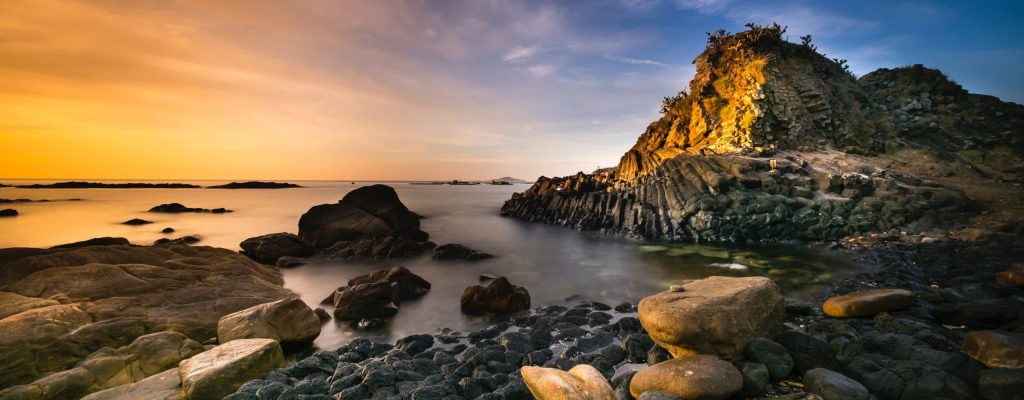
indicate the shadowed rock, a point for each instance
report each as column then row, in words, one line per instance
column 454, row 251
column 368, row 222
column 268, row 248
column 136, row 221
column 499, row 297
column 8, row 212
column 255, row 185
column 176, row 208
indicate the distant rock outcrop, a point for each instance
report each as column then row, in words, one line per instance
column 8, row 212
column 98, row 185
column 368, row 222
column 177, row 208
column 775, row 142
column 255, row 185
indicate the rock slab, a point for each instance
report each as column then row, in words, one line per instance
column 866, row 303
column 717, row 315
column 220, row 371
column 287, row 321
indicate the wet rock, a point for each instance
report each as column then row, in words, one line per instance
column 690, row 377
column 756, row 380
column 866, row 303
column 831, row 385
column 269, row 248
column 415, row 344
column 582, row 382
column 408, row 285
column 500, row 297
column 637, row 345
column 290, row 262
column 657, row 354
column 906, row 379
column 995, row 349
column 8, row 212
column 716, row 315
column 772, row 355
column 377, row 294
column 322, row 315
column 167, row 230
column 1013, row 275
column 136, row 221
column 996, row 384
column 184, row 240
column 220, row 371
column 367, row 213
column 288, row 321
column 454, row 251
column 808, row 352
column 102, row 241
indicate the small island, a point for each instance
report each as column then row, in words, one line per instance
column 98, row 185
column 255, row 185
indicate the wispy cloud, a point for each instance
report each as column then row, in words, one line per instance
column 640, row 61
column 520, row 53
column 542, row 70
column 704, row 6
column 802, row 20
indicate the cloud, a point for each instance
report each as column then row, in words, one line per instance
column 640, row 61
column 704, row 6
column 520, row 53
column 542, row 70
column 802, row 20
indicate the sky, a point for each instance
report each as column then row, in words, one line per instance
column 410, row 90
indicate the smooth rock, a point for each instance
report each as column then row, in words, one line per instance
column 582, row 382
column 772, row 355
column 163, row 386
column 690, row 377
column 717, row 315
column 831, row 385
column 220, row 371
column 287, row 321
column 499, row 297
column 995, row 349
column 13, row 303
column 866, row 303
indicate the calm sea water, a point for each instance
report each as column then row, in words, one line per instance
column 553, row 263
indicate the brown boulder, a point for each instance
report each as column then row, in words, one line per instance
column 268, row 248
column 702, row 377
column 866, row 303
column 366, row 300
column 995, row 349
column 408, row 285
column 1013, row 275
column 221, row 370
column 582, row 382
column 366, row 213
column 716, row 315
column 287, row 321
column 500, row 297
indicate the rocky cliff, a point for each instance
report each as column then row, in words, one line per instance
column 774, row 141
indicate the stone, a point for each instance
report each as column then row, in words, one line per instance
column 220, row 371
column 756, row 380
column 289, row 321
column 656, row 395
column 866, row 303
column 995, row 349
column 101, row 241
column 690, row 377
column 772, row 355
column 415, row 344
column 1001, row 384
column 454, row 251
column 367, row 212
column 136, row 221
column 499, row 297
column 407, row 284
column 716, row 315
column 269, row 248
column 177, row 208
column 807, row 352
column 167, row 230
column 8, row 212
column 13, row 303
column 831, row 385
column 290, row 262
column 163, row 386
column 1013, row 275
column 367, row 300
column 582, row 382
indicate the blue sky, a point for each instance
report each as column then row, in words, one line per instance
column 320, row 89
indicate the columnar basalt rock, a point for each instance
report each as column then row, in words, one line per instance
column 775, row 142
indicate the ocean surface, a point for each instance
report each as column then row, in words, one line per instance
column 556, row 265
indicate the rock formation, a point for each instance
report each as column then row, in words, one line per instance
column 255, row 185
column 269, row 248
column 774, row 142
column 177, row 208
column 376, row 294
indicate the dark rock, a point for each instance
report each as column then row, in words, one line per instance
column 97, row 185
column 637, row 345
column 833, row 385
column 167, row 230
column 657, row 355
column 656, row 395
column 175, row 208
column 103, row 241
column 500, row 297
column 415, row 344
column 255, row 185
column 290, row 262
column 408, row 285
column 377, row 294
column 366, row 213
column 775, row 357
column 8, row 212
column 906, row 379
column 625, row 307
column 322, row 314
column 621, row 385
column 756, row 380
column 996, row 384
column 369, row 324
column 454, row 251
column 487, row 277
column 185, row 240
column 268, row 248
column 136, row 221
column 807, row 352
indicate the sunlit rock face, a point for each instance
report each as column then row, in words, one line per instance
column 773, row 142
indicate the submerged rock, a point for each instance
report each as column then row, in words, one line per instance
column 8, row 212
column 220, row 371
column 690, row 377
column 288, row 321
column 582, row 382
column 268, row 248
column 499, row 297
column 176, row 208
column 454, row 251
column 866, row 303
column 102, row 241
column 136, row 221
column 717, row 315
column 995, row 349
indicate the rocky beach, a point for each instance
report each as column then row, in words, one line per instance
column 901, row 171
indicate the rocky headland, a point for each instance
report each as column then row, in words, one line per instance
column 99, row 185
column 255, row 185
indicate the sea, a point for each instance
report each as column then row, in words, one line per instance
column 558, row 266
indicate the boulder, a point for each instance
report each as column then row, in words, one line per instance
column 366, row 213
column 454, row 251
column 287, row 321
column 866, row 303
column 408, row 285
column 221, row 370
column 690, row 377
column 1013, row 275
column 8, row 212
column 101, row 241
column 582, row 382
column 13, row 303
column 1001, row 383
column 163, row 386
column 499, row 297
column 114, row 294
column 831, row 385
column 268, row 248
column 367, row 300
column 772, row 355
column 807, row 352
column 137, row 221
column 995, row 349
column 717, row 315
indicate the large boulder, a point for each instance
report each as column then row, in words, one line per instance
column 717, row 315
column 995, row 349
column 866, row 303
column 694, row 377
column 366, row 213
column 287, row 321
column 831, row 385
column 500, row 297
column 377, row 294
column 408, row 285
column 163, row 386
column 268, row 248
column 582, row 382
column 110, row 295
column 221, row 370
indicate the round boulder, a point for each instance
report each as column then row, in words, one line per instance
column 286, row 321
column 866, row 303
column 717, row 315
column 695, row 377
column 582, row 382
column 831, row 385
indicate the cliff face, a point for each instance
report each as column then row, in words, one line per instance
column 774, row 141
